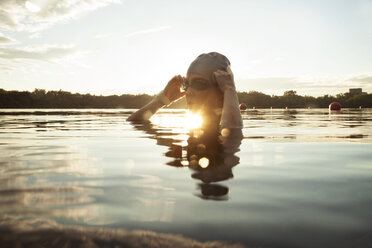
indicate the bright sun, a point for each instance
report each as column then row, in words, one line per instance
column 193, row 121
column 184, row 121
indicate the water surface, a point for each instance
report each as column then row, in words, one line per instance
column 298, row 178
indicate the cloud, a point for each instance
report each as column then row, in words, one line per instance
column 6, row 20
column 35, row 35
column 146, row 31
column 19, row 65
column 362, row 79
column 6, row 40
column 7, row 68
column 17, row 15
column 42, row 53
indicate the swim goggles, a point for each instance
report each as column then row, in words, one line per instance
column 197, row 84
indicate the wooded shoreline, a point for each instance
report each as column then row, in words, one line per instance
column 41, row 98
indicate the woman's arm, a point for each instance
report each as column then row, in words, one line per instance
column 170, row 93
column 145, row 113
column 231, row 117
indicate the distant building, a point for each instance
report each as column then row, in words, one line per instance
column 355, row 91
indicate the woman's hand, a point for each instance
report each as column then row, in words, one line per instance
column 170, row 93
column 173, row 89
column 225, row 80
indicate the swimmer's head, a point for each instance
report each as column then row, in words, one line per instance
column 202, row 91
column 207, row 63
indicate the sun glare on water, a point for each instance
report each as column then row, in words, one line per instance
column 177, row 122
column 193, row 121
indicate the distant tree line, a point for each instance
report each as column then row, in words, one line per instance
column 290, row 99
column 41, row 98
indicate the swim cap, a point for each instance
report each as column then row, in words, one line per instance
column 207, row 63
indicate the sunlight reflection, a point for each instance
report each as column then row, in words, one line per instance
column 186, row 121
column 185, row 163
column 193, row 163
column 204, row 162
column 225, row 132
column 153, row 210
column 197, row 133
column 193, row 121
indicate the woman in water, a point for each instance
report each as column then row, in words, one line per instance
column 210, row 92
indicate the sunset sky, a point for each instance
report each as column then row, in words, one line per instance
column 106, row 47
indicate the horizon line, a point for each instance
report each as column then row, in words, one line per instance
column 149, row 94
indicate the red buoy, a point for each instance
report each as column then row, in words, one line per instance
column 335, row 106
column 242, row 106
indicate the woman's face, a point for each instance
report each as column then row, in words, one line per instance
column 202, row 95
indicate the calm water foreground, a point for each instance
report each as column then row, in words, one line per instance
column 301, row 178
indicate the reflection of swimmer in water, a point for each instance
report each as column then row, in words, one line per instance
column 212, row 162
column 210, row 92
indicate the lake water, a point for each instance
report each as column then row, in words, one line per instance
column 299, row 178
